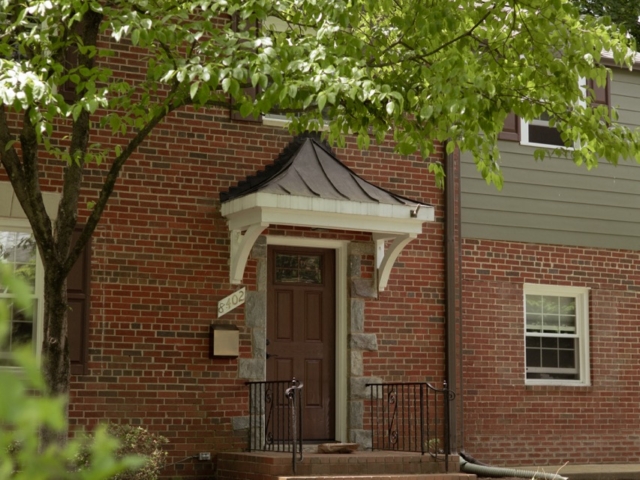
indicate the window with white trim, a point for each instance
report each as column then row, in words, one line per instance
column 556, row 335
column 18, row 250
column 540, row 133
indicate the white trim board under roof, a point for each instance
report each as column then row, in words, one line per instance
column 308, row 186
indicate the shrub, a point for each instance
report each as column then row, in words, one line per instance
column 134, row 441
column 26, row 409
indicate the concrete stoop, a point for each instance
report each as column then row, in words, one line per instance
column 354, row 466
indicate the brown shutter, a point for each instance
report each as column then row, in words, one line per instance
column 250, row 91
column 600, row 95
column 78, row 298
column 511, row 129
column 68, row 89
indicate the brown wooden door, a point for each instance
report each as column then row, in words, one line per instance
column 301, row 331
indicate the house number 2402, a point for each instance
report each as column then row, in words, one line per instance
column 232, row 301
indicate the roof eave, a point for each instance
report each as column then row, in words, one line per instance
column 312, row 212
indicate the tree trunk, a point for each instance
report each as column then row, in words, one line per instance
column 55, row 349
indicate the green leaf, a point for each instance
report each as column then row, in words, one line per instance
column 426, row 112
column 307, row 101
column 76, row 111
column 246, row 109
column 255, row 78
column 391, row 107
column 322, row 101
column 194, row 90
column 450, row 148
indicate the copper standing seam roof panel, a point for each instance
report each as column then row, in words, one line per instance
column 308, row 168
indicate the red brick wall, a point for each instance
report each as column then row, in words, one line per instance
column 509, row 423
column 160, row 265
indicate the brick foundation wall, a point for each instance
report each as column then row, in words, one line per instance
column 508, row 423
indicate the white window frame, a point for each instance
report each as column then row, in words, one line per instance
column 524, row 126
column 22, row 225
column 581, row 296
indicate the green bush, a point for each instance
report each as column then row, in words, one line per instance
column 25, row 410
column 135, row 441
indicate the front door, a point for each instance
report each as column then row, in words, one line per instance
column 301, row 331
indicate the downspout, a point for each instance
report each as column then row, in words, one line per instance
column 450, row 295
column 468, row 466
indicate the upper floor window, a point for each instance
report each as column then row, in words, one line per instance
column 539, row 133
column 556, row 335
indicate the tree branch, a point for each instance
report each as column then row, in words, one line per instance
column 459, row 37
column 112, row 176
column 89, row 28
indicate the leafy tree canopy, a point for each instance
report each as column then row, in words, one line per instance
column 622, row 12
column 423, row 71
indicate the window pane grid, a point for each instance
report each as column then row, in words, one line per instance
column 298, row 268
column 549, row 314
column 552, row 340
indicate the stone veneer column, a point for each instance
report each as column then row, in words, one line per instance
column 255, row 368
column 359, row 342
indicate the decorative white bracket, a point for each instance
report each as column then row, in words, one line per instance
column 241, row 245
column 386, row 258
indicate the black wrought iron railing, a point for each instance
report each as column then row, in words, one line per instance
column 275, row 422
column 410, row 417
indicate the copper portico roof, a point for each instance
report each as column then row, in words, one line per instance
column 307, row 167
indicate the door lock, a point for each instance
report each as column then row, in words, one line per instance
column 269, row 355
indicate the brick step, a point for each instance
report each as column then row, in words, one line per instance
column 355, row 466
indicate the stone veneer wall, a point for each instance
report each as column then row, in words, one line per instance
column 360, row 289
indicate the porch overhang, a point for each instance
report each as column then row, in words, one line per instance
column 392, row 227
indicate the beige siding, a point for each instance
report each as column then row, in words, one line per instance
column 555, row 201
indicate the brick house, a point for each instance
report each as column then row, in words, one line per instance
column 183, row 231
column 147, row 293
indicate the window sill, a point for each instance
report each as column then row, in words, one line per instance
column 275, row 121
column 544, row 145
column 281, row 121
column 557, row 383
